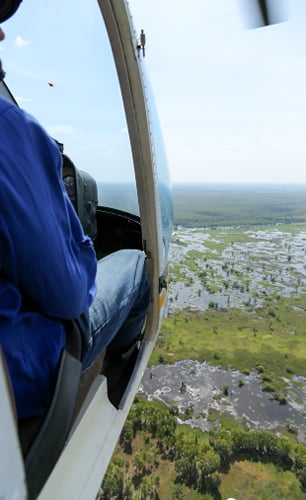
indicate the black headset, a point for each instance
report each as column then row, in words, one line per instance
column 8, row 8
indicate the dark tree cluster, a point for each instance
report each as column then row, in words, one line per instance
column 197, row 463
column 258, row 445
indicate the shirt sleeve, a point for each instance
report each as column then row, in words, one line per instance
column 43, row 249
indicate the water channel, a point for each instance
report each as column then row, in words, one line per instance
column 243, row 273
column 199, row 386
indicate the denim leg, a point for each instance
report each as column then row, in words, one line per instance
column 117, row 314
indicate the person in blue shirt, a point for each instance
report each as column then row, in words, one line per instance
column 48, row 267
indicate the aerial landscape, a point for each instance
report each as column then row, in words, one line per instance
column 220, row 411
column 180, row 139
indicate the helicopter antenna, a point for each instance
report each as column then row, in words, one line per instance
column 141, row 42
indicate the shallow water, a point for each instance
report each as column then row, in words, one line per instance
column 196, row 385
column 241, row 274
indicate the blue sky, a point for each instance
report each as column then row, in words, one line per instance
column 231, row 101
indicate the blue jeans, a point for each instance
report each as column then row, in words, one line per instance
column 118, row 312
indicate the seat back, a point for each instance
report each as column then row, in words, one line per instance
column 42, row 439
column 50, row 439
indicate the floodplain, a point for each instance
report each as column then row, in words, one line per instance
column 230, row 358
column 237, row 307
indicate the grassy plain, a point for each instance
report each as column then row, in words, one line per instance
column 272, row 341
column 253, row 480
column 258, row 277
column 208, row 205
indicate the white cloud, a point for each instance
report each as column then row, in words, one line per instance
column 20, row 42
column 60, row 129
column 20, row 99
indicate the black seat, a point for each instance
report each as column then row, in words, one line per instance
column 42, row 439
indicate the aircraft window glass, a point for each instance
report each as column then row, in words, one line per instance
column 161, row 164
column 4, row 92
column 59, row 67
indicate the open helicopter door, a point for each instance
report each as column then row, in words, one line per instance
column 150, row 163
column 82, row 464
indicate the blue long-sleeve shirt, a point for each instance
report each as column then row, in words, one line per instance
column 47, row 264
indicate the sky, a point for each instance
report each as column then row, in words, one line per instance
column 231, row 100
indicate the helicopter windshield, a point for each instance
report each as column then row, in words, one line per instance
column 59, row 67
column 164, row 182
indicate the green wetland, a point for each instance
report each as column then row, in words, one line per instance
column 229, row 365
column 234, row 342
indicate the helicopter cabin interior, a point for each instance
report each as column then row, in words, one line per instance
column 94, row 98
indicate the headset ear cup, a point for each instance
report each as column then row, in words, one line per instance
column 8, row 8
column 82, row 190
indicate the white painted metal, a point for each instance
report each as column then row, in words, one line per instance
column 123, row 41
column 85, row 456
column 83, row 463
column 12, row 477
